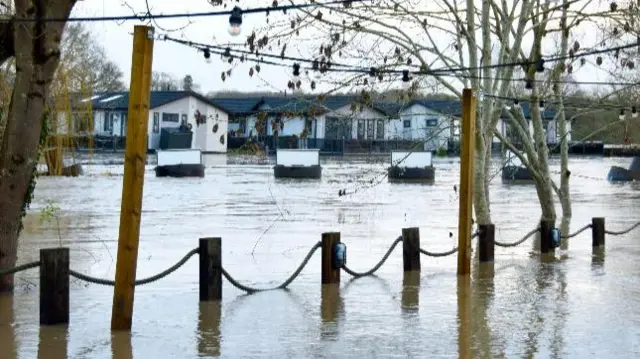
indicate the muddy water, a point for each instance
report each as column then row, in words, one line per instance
column 575, row 307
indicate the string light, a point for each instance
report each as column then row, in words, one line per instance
column 634, row 112
column 207, row 56
column 621, row 116
column 541, row 105
column 516, row 104
column 235, row 21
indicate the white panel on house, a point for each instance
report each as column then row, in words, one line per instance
column 111, row 98
column 298, row 157
column 177, row 157
column 510, row 159
column 90, row 98
column 411, row 159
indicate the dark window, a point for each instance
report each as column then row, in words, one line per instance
column 380, row 130
column 360, row 129
column 432, row 122
column 338, row 129
column 156, row 122
column 407, row 123
column 170, row 117
column 107, row 125
column 370, row 129
column 184, row 120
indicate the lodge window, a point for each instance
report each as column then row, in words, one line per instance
column 432, row 122
column 370, row 129
column 407, row 124
column 170, row 117
column 380, row 130
column 156, row 122
column 360, row 129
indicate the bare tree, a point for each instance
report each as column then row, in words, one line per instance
column 414, row 36
column 84, row 63
column 162, row 81
column 35, row 44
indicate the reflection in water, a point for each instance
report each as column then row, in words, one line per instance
column 121, row 345
column 597, row 258
column 331, row 309
column 547, row 275
column 53, row 342
column 464, row 317
column 8, row 348
column 209, row 328
column 410, row 292
column 483, row 292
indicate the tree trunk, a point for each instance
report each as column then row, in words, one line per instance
column 564, row 194
column 36, row 46
column 480, row 193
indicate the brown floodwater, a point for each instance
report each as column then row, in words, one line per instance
column 578, row 306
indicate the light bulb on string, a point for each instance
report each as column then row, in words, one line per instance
column 516, row 104
column 235, row 21
column 621, row 115
column 406, row 79
column 207, row 56
column 634, row 112
column 373, row 75
column 296, row 73
column 541, row 105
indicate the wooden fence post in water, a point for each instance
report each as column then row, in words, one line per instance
column 54, row 286
column 210, row 251
column 329, row 274
column 486, row 242
column 597, row 231
column 467, row 152
column 546, row 242
column 133, row 180
column 411, row 249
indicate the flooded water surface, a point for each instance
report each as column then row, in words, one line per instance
column 576, row 306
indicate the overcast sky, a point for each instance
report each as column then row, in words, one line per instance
column 180, row 60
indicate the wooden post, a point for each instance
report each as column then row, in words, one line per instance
column 486, row 242
column 54, row 286
column 133, row 181
column 467, row 152
column 545, row 237
column 210, row 251
column 411, row 249
column 597, row 231
column 329, row 274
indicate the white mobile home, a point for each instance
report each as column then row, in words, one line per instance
column 168, row 109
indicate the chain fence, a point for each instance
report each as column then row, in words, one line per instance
column 619, row 233
column 285, row 284
column 153, row 278
column 571, row 235
column 377, row 266
column 518, row 242
column 296, row 273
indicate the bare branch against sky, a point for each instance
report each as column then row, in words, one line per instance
column 179, row 61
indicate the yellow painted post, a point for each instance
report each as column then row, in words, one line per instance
column 467, row 152
column 132, row 184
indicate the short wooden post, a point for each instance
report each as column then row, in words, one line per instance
column 54, row 286
column 546, row 243
column 597, row 231
column 486, row 242
column 411, row 249
column 329, row 274
column 210, row 251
